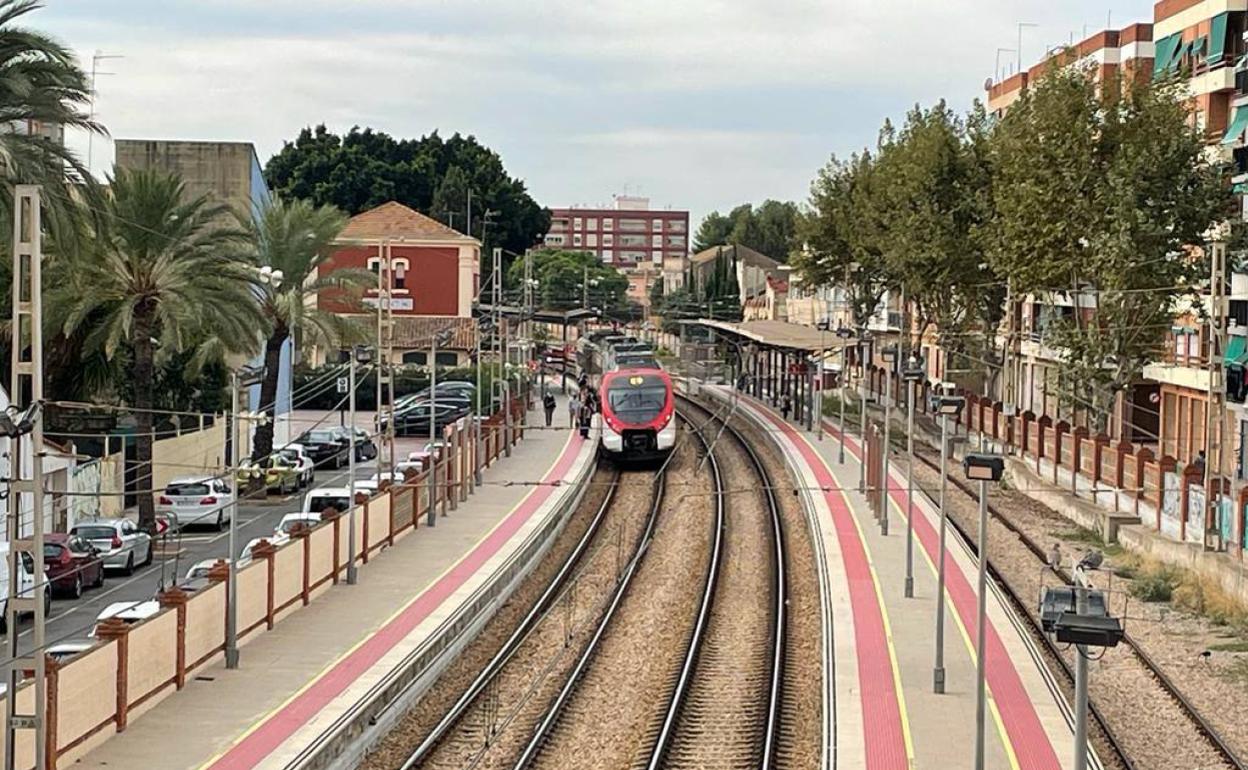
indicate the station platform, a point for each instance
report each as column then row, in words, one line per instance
column 300, row 678
column 886, row 713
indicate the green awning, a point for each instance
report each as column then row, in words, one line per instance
column 1164, row 51
column 1217, row 38
column 1236, row 351
column 1239, row 123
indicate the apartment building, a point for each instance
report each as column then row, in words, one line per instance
column 628, row 235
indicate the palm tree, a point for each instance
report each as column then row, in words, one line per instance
column 166, row 276
column 296, row 238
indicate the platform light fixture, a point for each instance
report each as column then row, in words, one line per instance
column 983, row 467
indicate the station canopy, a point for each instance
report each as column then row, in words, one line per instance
column 780, row 334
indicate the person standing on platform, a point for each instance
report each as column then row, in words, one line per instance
column 548, row 403
column 786, row 406
column 574, row 409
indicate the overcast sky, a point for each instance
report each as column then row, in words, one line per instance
column 699, row 104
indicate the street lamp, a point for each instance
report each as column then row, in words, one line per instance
column 913, row 375
column 844, row 335
column 864, row 355
column 823, row 326
column 982, row 468
column 360, row 355
column 889, row 354
column 240, row 378
column 945, row 406
column 443, row 337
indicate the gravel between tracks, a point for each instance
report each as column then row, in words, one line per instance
column 610, row 717
column 394, row 749
column 723, row 718
column 1146, row 720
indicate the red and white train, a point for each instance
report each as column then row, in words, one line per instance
column 638, row 414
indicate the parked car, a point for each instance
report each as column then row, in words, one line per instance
column 383, row 476
column 121, row 543
column 25, row 585
column 62, row 651
column 245, row 556
column 131, row 612
column 196, row 500
column 321, row 498
column 71, row 564
column 325, row 446
column 302, row 462
column 199, row 570
column 292, row 521
column 278, row 471
column 365, row 449
column 415, row 421
column 367, row 486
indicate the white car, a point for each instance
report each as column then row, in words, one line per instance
column 303, row 462
column 377, row 479
column 400, row 470
column 196, row 500
column 120, row 542
column 321, row 498
column 286, row 527
column 199, row 570
column 25, row 584
column 62, row 651
column 130, row 612
column 367, row 486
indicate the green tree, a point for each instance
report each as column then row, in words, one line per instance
column 365, row 168
column 296, row 238
column 1103, row 192
column 844, row 233
column 565, row 278
column 166, row 277
column 770, row 229
column 450, row 199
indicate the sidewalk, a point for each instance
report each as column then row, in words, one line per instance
column 295, row 680
column 883, row 642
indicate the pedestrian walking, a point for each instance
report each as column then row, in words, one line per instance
column 548, row 403
column 786, row 406
column 587, row 416
column 574, row 409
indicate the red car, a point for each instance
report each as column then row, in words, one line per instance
column 71, row 564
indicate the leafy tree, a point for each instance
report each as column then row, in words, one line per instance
column 365, row 168
column 844, row 234
column 770, row 229
column 565, row 278
column 296, row 238
column 165, row 278
column 1102, row 192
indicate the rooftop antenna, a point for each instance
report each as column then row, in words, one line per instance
column 96, row 58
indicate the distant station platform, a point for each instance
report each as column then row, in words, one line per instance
column 886, row 714
column 301, row 680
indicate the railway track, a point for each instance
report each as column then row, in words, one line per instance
column 725, row 708
column 535, row 751
column 1027, row 611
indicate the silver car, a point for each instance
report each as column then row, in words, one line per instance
column 121, row 543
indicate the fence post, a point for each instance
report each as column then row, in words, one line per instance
column 390, row 536
column 52, row 676
column 1165, row 465
column 1098, row 456
column 176, row 598
column 1028, row 418
column 265, row 550
column 116, row 629
column 1042, row 426
column 1059, row 435
column 361, row 499
column 1142, row 459
column 335, row 519
column 1076, row 461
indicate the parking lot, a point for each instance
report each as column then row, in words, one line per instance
column 71, row 619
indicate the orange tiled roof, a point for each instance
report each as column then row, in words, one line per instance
column 416, row 332
column 394, row 220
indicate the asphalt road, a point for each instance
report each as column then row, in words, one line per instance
column 71, row 619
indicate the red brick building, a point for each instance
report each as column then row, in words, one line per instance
column 431, row 272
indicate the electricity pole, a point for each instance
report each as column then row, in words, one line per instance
column 26, row 387
column 1216, row 404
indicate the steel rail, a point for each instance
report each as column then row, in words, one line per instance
column 522, row 631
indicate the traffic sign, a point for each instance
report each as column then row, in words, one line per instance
column 344, row 385
column 162, row 525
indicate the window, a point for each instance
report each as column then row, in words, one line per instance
column 607, row 254
column 576, row 240
column 675, row 240
column 559, row 224
column 676, row 226
column 633, row 225
column 657, row 225
column 374, row 264
column 554, row 240
column 608, row 239
column 416, row 357
column 675, row 255
column 632, row 240
column 576, row 223
column 400, row 267
column 448, row 359
column 591, row 239
column 657, row 241
column 632, row 256
column 592, row 223
column 607, row 223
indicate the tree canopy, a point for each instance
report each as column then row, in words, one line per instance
column 565, row 278
column 769, row 229
column 364, row 168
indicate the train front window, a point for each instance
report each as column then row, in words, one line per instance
column 637, row 399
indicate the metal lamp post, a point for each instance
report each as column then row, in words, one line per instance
column 844, row 335
column 864, row 354
column 982, row 468
column 823, row 351
column 945, row 406
column 889, row 354
column 913, row 375
column 242, row 378
column 360, row 355
column 444, row 338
